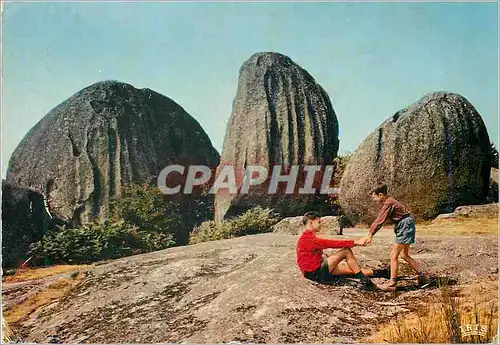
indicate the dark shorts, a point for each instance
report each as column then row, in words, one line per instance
column 321, row 274
column 405, row 231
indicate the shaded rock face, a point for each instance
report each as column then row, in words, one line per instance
column 494, row 175
column 105, row 136
column 280, row 116
column 22, row 222
column 433, row 156
column 493, row 190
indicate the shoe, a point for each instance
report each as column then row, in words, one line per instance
column 390, row 286
column 382, row 272
column 367, row 285
column 386, row 272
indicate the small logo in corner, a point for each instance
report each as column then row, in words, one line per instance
column 474, row 329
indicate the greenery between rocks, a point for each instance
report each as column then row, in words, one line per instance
column 141, row 220
column 145, row 207
column 254, row 221
column 96, row 242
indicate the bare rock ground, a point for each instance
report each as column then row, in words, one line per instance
column 246, row 289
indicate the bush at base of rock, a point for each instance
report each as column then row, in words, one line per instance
column 254, row 221
column 96, row 242
column 145, row 208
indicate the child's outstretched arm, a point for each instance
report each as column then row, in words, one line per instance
column 325, row 243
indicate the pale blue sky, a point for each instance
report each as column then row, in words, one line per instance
column 372, row 58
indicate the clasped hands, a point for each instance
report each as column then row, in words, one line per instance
column 364, row 241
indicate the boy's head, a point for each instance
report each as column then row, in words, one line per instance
column 379, row 194
column 312, row 220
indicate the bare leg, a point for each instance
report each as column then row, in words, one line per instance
column 352, row 266
column 396, row 250
column 406, row 257
column 343, row 269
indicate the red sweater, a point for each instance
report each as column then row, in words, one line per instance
column 310, row 248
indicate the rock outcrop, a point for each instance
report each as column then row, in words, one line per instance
column 493, row 190
column 293, row 225
column 472, row 211
column 103, row 137
column 23, row 217
column 280, row 116
column 246, row 289
column 433, row 156
column 494, row 175
column 477, row 211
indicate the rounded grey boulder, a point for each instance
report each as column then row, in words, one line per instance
column 293, row 226
column 433, row 156
column 280, row 116
column 103, row 137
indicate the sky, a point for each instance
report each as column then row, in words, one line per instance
column 371, row 58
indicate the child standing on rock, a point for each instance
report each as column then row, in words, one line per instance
column 404, row 230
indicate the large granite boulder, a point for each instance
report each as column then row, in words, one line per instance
column 281, row 116
column 103, row 137
column 433, row 156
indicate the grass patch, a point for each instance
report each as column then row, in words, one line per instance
column 459, row 226
column 52, row 293
column 38, row 273
column 445, row 320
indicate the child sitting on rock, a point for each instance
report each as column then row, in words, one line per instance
column 315, row 267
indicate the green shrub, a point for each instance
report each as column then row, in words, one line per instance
column 145, row 207
column 141, row 220
column 97, row 241
column 254, row 221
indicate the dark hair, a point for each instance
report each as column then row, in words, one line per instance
column 311, row 215
column 380, row 190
